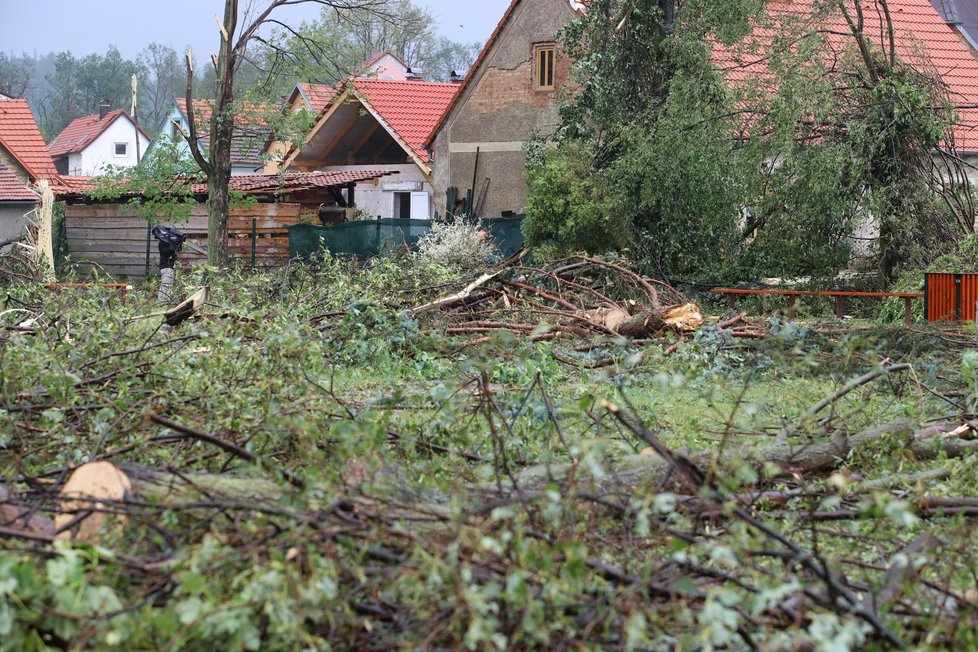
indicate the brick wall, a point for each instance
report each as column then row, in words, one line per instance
column 500, row 88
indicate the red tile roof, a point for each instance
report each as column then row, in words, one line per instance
column 409, row 108
column 257, row 184
column 20, row 136
column 13, row 189
column 318, row 96
column 923, row 41
column 918, row 29
column 82, row 132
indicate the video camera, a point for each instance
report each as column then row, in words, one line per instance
column 171, row 241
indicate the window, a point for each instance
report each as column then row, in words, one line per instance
column 121, row 149
column 543, row 66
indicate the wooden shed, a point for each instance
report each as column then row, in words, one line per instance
column 110, row 237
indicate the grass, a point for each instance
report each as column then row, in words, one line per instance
column 369, row 386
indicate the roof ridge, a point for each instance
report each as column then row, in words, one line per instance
column 86, row 129
column 20, row 136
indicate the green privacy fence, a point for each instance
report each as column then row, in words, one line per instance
column 370, row 238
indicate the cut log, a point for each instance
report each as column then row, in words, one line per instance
column 86, row 498
column 684, row 318
column 822, row 455
column 610, row 318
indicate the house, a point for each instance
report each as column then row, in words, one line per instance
column 962, row 17
column 24, row 160
column 315, row 97
column 377, row 123
column 251, row 132
column 88, row 145
column 514, row 89
column 923, row 41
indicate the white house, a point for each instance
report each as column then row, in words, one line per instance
column 88, row 145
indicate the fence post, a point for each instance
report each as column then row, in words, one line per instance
column 149, row 234
column 254, row 241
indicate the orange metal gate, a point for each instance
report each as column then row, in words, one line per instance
column 950, row 297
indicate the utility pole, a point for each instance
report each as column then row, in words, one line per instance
column 134, row 85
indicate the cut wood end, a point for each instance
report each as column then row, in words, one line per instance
column 610, row 318
column 90, row 487
column 686, row 317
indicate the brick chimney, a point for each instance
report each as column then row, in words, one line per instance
column 414, row 74
column 103, row 109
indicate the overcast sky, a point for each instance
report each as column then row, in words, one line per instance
column 86, row 26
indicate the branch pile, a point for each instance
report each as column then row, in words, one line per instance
column 585, row 298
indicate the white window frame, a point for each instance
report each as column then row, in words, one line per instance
column 115, row 150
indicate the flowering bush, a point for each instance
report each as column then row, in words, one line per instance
column 456, row 244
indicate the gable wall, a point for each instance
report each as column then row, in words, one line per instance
column 499, row 110
column 12, row 220
column 13, row 165
column 101, row 153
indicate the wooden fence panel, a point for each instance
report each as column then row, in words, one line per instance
column 108, row 239
column 950, row 296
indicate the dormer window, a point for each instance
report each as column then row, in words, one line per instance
column 543, row 66
column 121, row 149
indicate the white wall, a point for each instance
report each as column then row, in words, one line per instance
column 101, row 153
column 379, row 199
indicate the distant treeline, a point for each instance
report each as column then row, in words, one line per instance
column 61, row 87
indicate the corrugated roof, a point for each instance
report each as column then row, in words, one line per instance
column 410, row 108
column 82, row 132
column 258, row 184
column 923, row 41
column 13, row 189
column 20, row 136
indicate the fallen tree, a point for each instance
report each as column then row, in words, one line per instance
column 586, row 298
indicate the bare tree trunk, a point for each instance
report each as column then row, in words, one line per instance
column 222, row 128
column 218, row 202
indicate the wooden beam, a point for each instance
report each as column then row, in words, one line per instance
column 336, row 139
column 326, row 114
column 338, row 197
column 425, row 169
column 392, row 144
column 360, row 143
